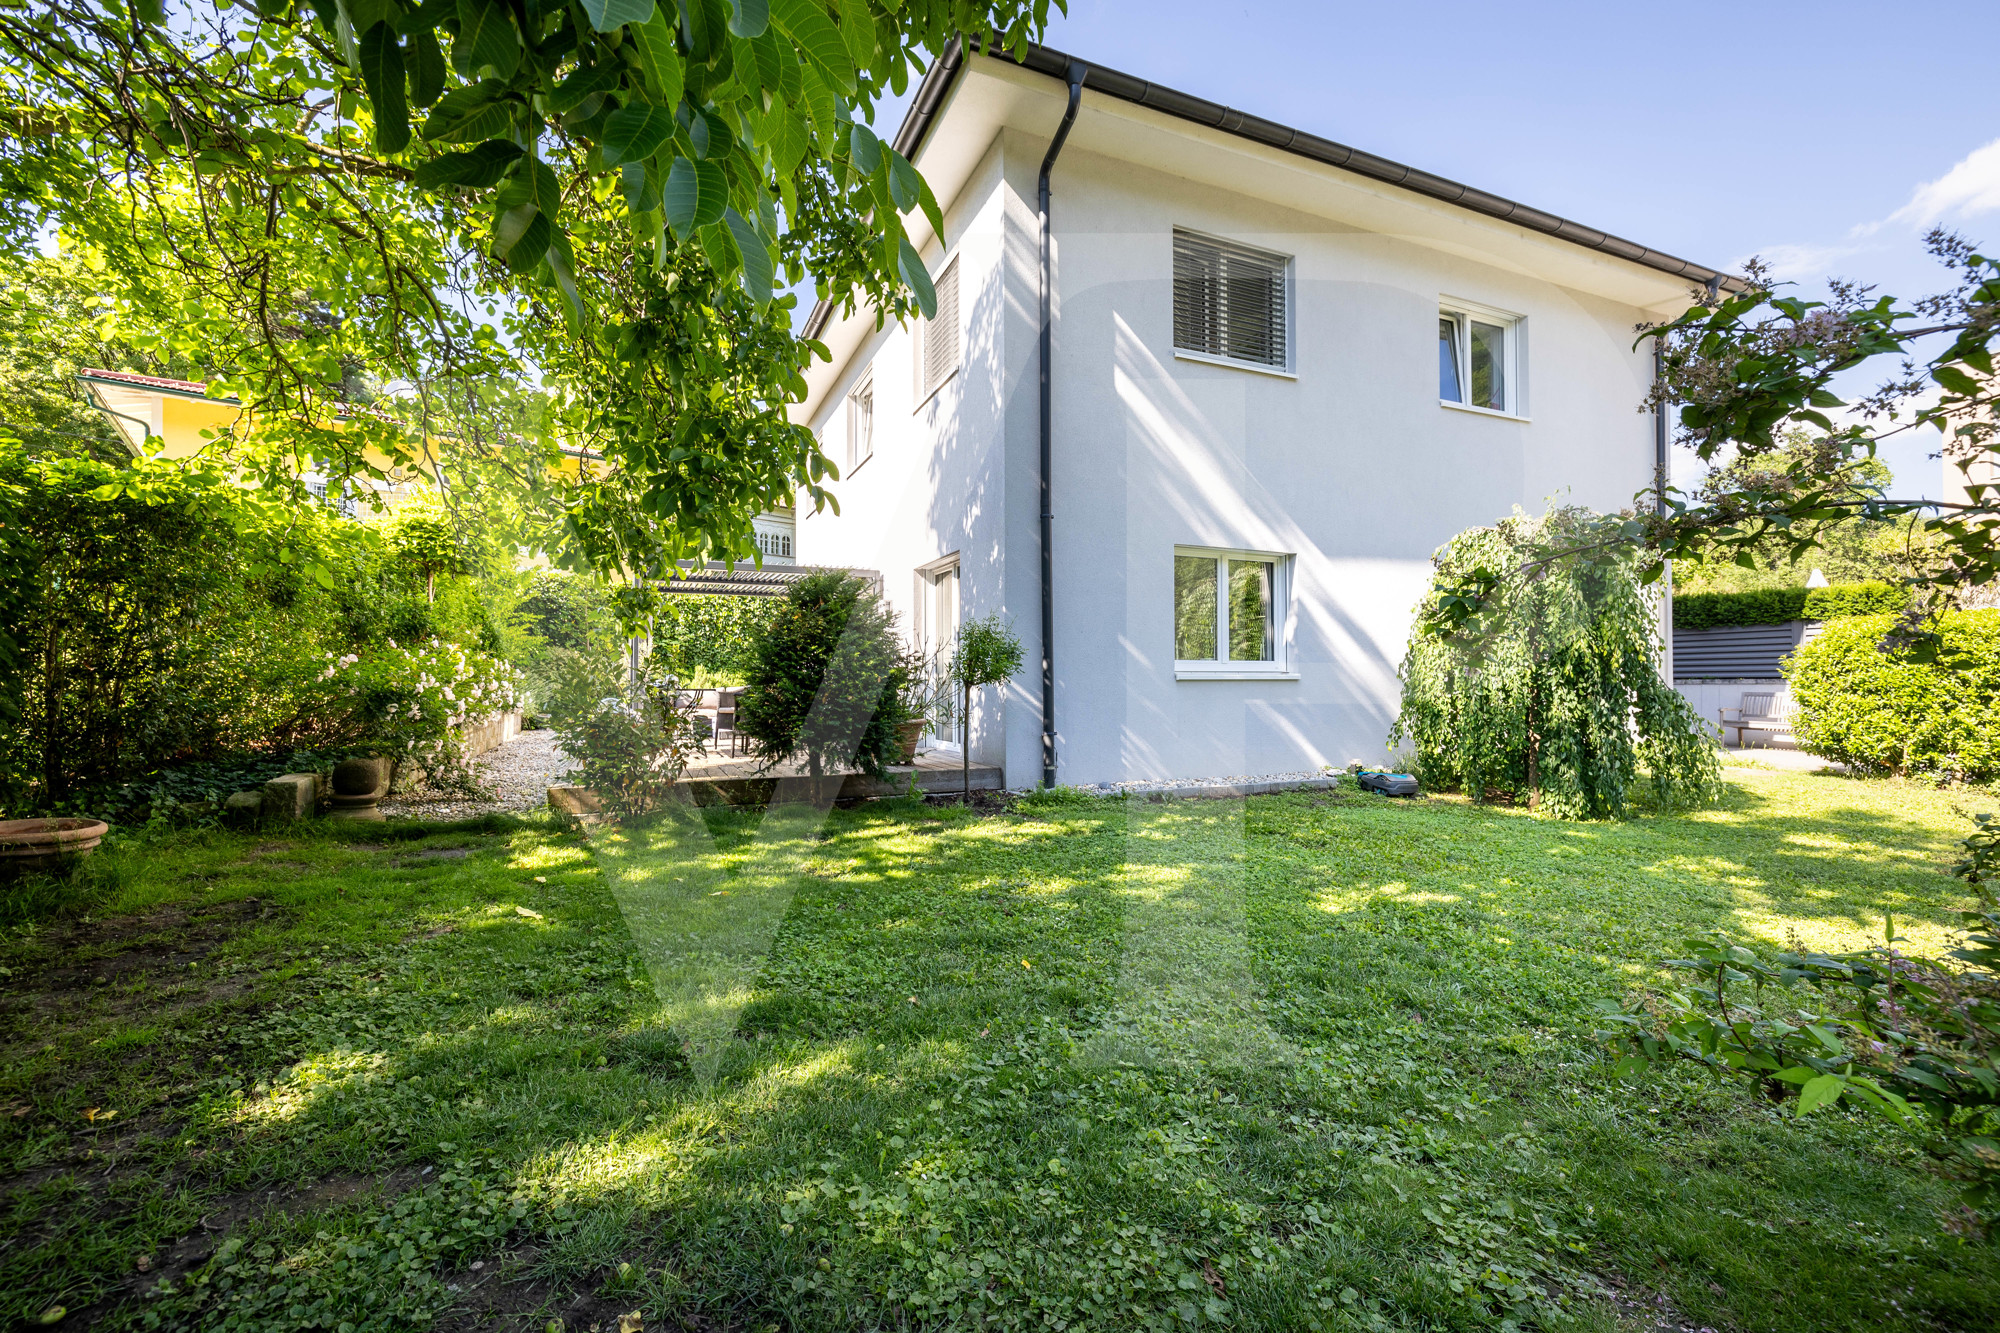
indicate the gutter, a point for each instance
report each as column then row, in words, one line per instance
column 1076, row 74
column 944, row 72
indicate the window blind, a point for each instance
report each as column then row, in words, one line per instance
column 1229, row 300
column 938, row 345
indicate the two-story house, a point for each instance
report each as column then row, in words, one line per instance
column 1279, row 374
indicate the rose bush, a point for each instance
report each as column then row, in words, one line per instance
column 414, row 702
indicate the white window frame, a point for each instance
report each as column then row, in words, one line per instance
column 1289, row 296
column 1282, row 619
column 1513, row 356
column 920, row 335
column 860, row 425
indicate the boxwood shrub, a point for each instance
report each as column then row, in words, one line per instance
column 1774, row 606
column 1882, row 713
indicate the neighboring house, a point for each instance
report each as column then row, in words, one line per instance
column 1282, row 373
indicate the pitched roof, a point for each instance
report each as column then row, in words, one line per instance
column 944, row 72
column 190, row 388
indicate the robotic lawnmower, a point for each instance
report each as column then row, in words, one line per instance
column 1389, row 784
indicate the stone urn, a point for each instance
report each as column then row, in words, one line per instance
column 907, row 736
column 359, row 784
column 48, row 844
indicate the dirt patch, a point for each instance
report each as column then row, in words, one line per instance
column 1642, row 1311
column 439, row 854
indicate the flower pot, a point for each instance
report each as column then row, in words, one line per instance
column 48, row 844
column 907, row 736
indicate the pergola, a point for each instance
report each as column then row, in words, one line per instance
column 744, row 579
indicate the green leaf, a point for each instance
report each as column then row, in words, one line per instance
column 572, row 91
column 486, row 37
column 710, row 135
column 1820, row 1091
column 477, row 167
column 864, row 150
column 659, row 56
column 611, row 15
column 382, row 73
column 906, row 187
column 720, row 247
column 749, row 18
column 911, row 265
column 756, row 257
column 634, row 133
column 1956, row 380
column 427, row 66
column 642, row 193
column 471, row 113
column 695, row 195
column 521, row 236
column 857, row 30
column 807, row 25
column 562, row 267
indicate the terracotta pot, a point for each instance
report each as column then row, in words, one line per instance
column 907, row 735
column 47, row 844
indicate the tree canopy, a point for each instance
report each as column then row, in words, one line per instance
column 508, row 233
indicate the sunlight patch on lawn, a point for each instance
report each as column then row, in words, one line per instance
column 1185, row 993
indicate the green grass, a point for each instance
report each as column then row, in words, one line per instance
column 1304, row 1062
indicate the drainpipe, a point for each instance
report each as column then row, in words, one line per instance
column 1660, row 464
column 1076, row 72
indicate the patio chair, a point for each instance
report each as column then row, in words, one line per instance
column 1765, row 714
column 725, row 721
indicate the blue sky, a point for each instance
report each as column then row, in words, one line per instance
column 1807, row 133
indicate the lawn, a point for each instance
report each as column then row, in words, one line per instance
column 1309, row 1061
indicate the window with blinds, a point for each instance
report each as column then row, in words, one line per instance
column 1229, row 301
column 937, row 337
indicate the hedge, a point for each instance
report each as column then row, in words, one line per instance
column 1882, row 713
column 1774, row 606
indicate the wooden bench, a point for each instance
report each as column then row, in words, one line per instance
column 1759, row 713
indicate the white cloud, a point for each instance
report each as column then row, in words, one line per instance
column 1972, row 186
column 1787, row 262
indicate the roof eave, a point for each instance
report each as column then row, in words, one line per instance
column 944, row 72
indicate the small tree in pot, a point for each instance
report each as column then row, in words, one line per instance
column 825, row 676
column 988, row 654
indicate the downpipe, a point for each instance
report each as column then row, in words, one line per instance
column 1076, row 73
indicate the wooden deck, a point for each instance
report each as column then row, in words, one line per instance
column 735, row 780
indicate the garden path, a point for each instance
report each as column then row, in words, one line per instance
column 519, row 772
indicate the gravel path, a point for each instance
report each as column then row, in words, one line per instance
column 1139, row 788
column 521, row 772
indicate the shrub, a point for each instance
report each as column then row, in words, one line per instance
column 1553, row 690
column 1775, row 606
column 567, row 611
column 825, row 675
column 631, row 757
column 1881, row 712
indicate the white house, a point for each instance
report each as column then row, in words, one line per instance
column 1281, row 372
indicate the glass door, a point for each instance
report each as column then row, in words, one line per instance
column 937, row 637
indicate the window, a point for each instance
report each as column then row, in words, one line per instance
column 937, row 337
column 775, row 544
column 1231, row 301
column 861, row 422
column 1228, row 612
column 1478, row 359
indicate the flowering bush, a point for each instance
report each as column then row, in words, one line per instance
column 413, row 701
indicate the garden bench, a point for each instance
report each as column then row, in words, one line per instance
column 1757, row 712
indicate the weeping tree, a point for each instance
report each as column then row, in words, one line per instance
column 1550, row 688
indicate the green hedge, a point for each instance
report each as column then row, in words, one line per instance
column 1878, row 713
column 1774, row 606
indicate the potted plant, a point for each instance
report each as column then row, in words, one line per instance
column 925, row 695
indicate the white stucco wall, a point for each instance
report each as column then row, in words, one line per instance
column 933, row 486
column 1352, row 467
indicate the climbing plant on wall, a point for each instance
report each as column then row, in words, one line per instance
column 1551, row 691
